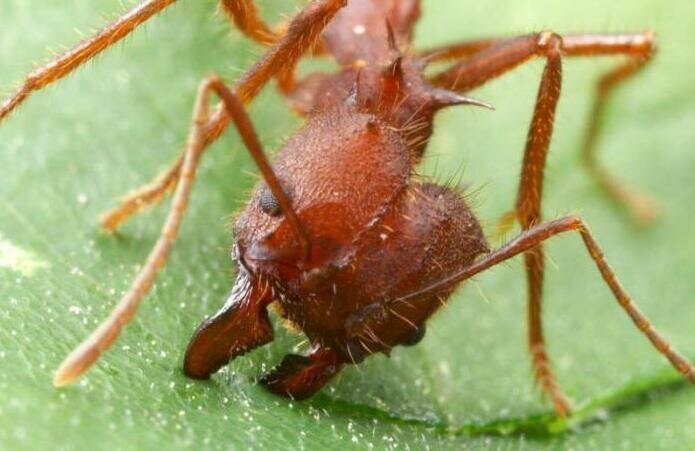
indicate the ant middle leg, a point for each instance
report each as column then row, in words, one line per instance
column 643, row 208
column 486, row 59
column 280, row 60
column 244, row 15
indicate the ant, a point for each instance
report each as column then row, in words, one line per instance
column 354, row 249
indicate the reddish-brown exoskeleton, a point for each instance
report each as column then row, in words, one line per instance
column 356, row 251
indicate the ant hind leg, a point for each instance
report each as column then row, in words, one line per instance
column 486, row 59
column 641, row 207
column 498, row 57
column 535, row 236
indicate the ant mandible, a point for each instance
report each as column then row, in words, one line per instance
column 356, row 251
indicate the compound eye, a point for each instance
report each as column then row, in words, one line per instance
column 269, row 203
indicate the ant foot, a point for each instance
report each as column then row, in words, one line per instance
column 299, row 377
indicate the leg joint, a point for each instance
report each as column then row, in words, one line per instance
column 549, row 42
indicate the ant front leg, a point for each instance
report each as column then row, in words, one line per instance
column 142, row 197
column 280, row 60
column 534, row 237
column 86, row 354
column 299, row 377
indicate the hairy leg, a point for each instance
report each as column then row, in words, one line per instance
column 641, row 207
column 245, row 16
column 82, row 358
column 142, row 197
column 486, row 59
column 87, row 353
column 495, row 59
column 67, row 62
column 301, row 36
column 459, row 50
column 537, row 235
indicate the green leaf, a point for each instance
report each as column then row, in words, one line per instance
column 73, row 148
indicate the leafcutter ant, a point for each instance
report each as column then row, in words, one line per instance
column 357, row 252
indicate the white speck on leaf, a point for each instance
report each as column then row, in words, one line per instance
column 18, row 259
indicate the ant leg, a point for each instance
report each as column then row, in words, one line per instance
column 82, row 357
column 71, row 60
column 642, row 208
column 301, row 35
column 493, row 62
column 534, row 237
column 87, row 353
column 458, row 50
column 142, row 197
column 299, row 377
column 245, row 16
column 489, row 58
column 528, row 211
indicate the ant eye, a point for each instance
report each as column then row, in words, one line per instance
column 269, row 203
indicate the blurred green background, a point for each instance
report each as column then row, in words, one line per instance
column 117, row 122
